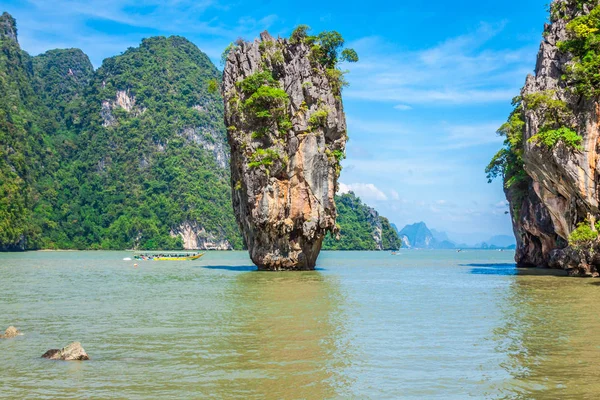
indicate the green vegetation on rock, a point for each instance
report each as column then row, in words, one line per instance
column 326, row 49
column 507, row 163
column 358, row 224
column 583, row 43
column 555, row 115
column 584, row 233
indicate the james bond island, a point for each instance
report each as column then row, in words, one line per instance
column 550, row 159
column 287, row 133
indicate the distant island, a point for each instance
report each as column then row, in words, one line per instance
column 419, row 236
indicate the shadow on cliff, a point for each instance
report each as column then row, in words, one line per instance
column 508, row 269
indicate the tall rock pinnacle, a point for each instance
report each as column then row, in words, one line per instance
column 287, row 132
column 550, row 159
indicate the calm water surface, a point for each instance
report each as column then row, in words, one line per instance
column 422, row 325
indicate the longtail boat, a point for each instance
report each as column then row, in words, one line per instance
column 167, row 257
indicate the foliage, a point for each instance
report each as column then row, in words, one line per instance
column 357, row 223
column 266, row 101
column 349, row 55
column 582, row 234
column 213, row 86
column 549, row 137
column 389, row 236
column 263, row 157
column 555, row 115
column 336, row 79
column 507, row 163
column 326, row 50
column 299, row 34
column 85, row 176
column 225, row 54
column 23, row 147
column 339, row 155
column 252, row 83
column 583, row 43
column 318, row 118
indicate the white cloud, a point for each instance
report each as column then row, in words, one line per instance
column 366, row 191
column 403, row 107
column 459, row 70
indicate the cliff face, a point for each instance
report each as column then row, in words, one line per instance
column 287, row 133
column 557, row 191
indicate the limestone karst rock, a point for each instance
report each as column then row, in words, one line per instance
column 287, row 133
column 555, row 187
column 72, row 352
column 10, row 333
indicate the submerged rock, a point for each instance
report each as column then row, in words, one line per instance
column 287, row 133
column 10, row 333
column 72, row 352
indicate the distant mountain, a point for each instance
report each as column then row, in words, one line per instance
column 419, row 236
column 440, row 236
column 498, row 242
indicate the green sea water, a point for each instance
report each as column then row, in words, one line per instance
column 418, row 325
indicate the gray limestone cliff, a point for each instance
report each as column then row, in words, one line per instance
column 287, row 133
column 557, row 190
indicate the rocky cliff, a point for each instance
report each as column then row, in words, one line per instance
column 287, row 133
column 550, row 160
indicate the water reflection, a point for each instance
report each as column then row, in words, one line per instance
column 286, row 337
column 550, row 338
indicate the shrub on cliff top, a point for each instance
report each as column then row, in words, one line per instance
column 584, row 44
column 326, row 49
column 225, row 54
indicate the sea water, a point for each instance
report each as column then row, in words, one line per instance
column 417, row 325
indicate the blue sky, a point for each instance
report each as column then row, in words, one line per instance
column 434, row 82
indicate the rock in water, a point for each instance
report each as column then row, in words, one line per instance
column 10, row 333
column 550, row 162
column 73, row 352
column 287, row 133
